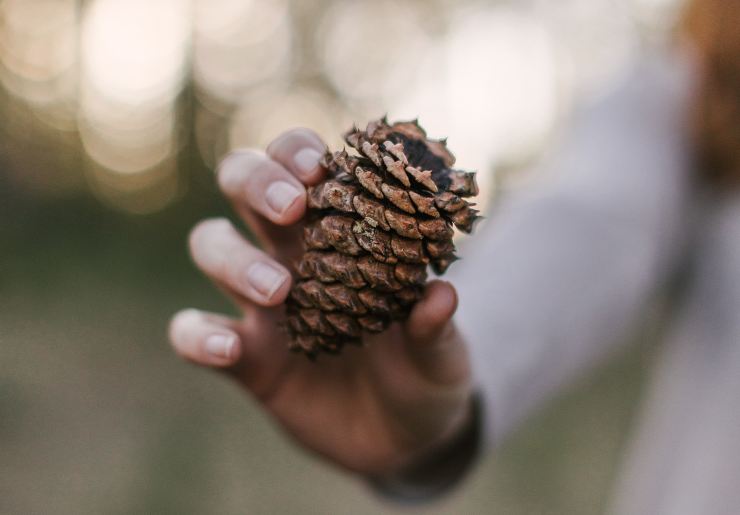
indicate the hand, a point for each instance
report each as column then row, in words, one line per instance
column 373, row 410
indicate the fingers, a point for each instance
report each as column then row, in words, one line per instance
column 204, row 338
column 272, row 184
column 433, row 344
column 299, row 151
column 268, row 190
column 431, row 314
column 249, row 351
column 228, row 259
column 251, row 179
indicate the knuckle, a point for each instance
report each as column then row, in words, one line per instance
column 205, row 230
column 187, row 317
column 274, row 146
column 179, row 324
column 237, row 167
column 310, row 134
column 293, row 139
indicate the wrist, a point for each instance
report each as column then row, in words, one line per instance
column 440, row 468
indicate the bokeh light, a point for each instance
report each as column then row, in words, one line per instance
column 597, row 40
column 490, row 86
column 370, row 48
column 133, row 51
column 37, row 47
column 139, row 79
column 268, row 112
column 238, row 43
column 38, row 57
column 125, row 139
column 134, row 55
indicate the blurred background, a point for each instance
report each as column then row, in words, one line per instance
column 114, row 115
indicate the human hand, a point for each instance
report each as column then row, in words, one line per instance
column 373, row 410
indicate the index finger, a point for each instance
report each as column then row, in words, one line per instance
column 299, row 151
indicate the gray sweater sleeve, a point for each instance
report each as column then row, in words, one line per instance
column 556, row 277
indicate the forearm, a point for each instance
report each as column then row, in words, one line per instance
column 441, row 468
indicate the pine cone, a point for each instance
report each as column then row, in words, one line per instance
column 374, row 224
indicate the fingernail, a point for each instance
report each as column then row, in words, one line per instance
column 265, row 278
column 221, row 346
column 306, row 160
column 281, row 195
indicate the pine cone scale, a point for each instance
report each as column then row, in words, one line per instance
column 382, row 215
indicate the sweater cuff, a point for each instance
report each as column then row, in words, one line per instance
column 439, row 472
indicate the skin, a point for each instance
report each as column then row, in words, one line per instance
column 374, row 410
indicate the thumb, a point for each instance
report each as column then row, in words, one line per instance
column 432, row 342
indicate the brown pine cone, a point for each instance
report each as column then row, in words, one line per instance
column 379, row 218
